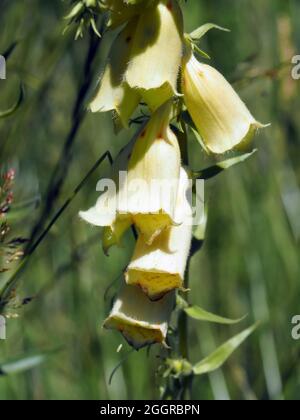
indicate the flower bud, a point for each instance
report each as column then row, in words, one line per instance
column 156, row 53
column 141, row 321
column 159, row 268
column 114, row 93
column 221, row 117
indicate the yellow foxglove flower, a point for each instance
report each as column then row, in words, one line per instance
column 221, row 117
column 153, row 177
column 156, row 53
column 159, row 268
column 114, row 93
column 141, row 321
column 121, row 10
column 104, row 213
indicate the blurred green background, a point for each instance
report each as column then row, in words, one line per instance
column 250, row 261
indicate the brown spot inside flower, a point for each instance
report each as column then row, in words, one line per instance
column 170, row 5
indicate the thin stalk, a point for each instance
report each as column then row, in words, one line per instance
column 182, row 387
column 10, row 285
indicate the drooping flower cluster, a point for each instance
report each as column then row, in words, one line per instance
column 152, row 61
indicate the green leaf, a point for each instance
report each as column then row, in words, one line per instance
column 219, row 167
column 13, row 109
column 188, row 120
column 122, row 361
column 202, row 30
column 220, row 356
column 21, row 210
column 200, row 51
column 23, row 364
column 200, row 314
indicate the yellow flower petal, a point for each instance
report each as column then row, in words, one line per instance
column 104, row 213
column 221, row 117
column 160, row 267
column 141, row 321
column 156, row 53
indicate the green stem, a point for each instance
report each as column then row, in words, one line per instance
column 10, row 285
column 183, row 328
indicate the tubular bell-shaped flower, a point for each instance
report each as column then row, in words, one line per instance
column 156, row 53
column 159, row 268
column 114, row 94
column 141, row 321
column 221, row 117
column 123, row 10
